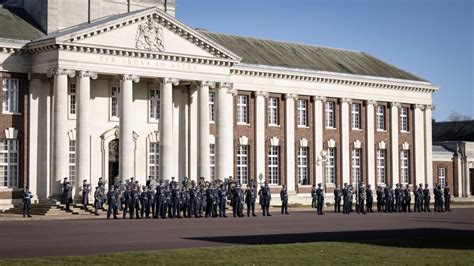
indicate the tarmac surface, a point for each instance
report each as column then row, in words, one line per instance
column 37, row 238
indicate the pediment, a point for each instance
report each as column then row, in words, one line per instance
column 150, row 30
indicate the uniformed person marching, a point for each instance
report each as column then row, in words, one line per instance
column 127, row 201
column 370, row 198
column 86, row 190
column 380, row 199
column 284, row 200
column 337, row 199
column 97, row 200
column 407, row 199
column 112, row 199
column 266, row 197
column 345, row 189
column 426, row 198
column 27, row 202
column 361, row 198
column 222, row 194
column 320, row 199
column 250, row 199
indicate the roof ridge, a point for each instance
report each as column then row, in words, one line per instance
column 278, row 41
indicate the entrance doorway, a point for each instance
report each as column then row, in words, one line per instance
column 113, row 161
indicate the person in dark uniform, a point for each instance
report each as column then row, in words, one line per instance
column 144, row 202
column 86, row 190
column 151, row 200
column 236, row 201
column 127, row 200
column 370, row 198
column 417, row 199
column 199, row 200
column 348, row 204
column 250, row 198
column 379, row 192
column 447, row 198
column 406, row 199
column 426, row 199
column 438, row 193
column 159, row 199
column 284, row 200
column 185, row 200
column 97, row 200
column 135, row 202
column 209, row 201
column 168, row 202
column 175, row 199
column 112, row 199
column 27, row 202
column 101, row 185
column 398, row 198
column 266, row 197
column 67, row 193
column 337, row 199
column 192, row 200
column 313, row 196
column 222, row 195
column 421, row 200
column 388, row 192
column 344, row 198
column 320, row 199
column 361, row 198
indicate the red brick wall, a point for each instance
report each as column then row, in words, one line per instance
column 449, row 165
column 278, row 132
column 358, row 134
column 385, row 137
column 20, row 123
column 408, row 137
column 307, row 133
column 248, row 131
column 334, row 134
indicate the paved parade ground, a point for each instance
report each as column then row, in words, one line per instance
column 93, row 236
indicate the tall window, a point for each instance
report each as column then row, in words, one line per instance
column 242, row 109
column 243, row 163
column 10, row 95
column 212, row 98
column 154, row 160
column 355, row 116
column 380, row 117
column 154, row 104
column 115, row 96
column 302, row 113
column 273, row 164
column 303, row 166
column 355, row 166
column 273, row 111
column 442, row 177
column 331, row 166
column 72, row 162
column 330, row 116
column 212, row 161
column 72, row 98
column 404, row 167
column 9, row 163
column 404, row 119
column 381, row 167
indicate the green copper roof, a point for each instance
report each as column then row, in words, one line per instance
column 282, row 54
column 16, row 24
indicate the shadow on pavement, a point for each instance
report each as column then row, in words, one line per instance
column 410, row 238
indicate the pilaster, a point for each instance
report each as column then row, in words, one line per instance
column 290, row 141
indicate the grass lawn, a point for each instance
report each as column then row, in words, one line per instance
column 417, row 251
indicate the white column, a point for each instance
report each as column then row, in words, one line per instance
column 318, row 136
column 370, row 131
column 203, row 129
column 428, row 146
column 166, row 128
column 83, row 116
column 260, row 134
column 127, row 145
column 419, row 144
column 193, row 135
column 394, row 146
column 59, row 137
column 346, row 154
column 467, row 165
column 35, row 92
column 224, row 131
column 290, row 141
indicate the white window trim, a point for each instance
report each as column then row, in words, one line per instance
column 240, row 107
column 379, row 119
column 330, row 113
column 9, row 165
column 402, row 167
column 302, row 113
column 381, row 168
column 331, row 164
column 156, row 158
column 303, row 167
column 71, row 83
column 355, row 116
column 273, row 111
column 72, row 159
column 243, row 167
column 15, row 109
column 112, row 117
column 442, row 176
column 212, row 161
column 212, row 107
column 273, row 164
column 356, row 157
column 404, row 117
column 155, row 101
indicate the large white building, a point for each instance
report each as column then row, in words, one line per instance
column 110, row 89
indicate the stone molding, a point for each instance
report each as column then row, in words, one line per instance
column 133, row 78
column 86, row 74
column 59, row 72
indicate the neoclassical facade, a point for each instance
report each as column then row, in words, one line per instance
column 140, row 94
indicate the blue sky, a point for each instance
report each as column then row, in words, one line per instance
column 432, row 39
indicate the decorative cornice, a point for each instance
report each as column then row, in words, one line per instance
column 86, row 74
column 225, row 85
column 59, row 72
column 319, row 98
column 419, row 106
column 291, row 96
column 173, row 81
column 129, row 77
column 346, row 100
column 395, row 104
column 337, row 81
column 430, row 107
column 261, row 94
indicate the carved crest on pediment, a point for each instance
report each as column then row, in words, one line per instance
column 150, row 35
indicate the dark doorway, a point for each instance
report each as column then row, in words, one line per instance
column 471, row 180
column 113, row 161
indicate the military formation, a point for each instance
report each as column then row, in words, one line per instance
column 170, row 199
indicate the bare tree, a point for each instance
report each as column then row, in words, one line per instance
column 455, row 116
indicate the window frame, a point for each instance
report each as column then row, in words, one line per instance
column 404, row 167
column 72, row 159
column 404, row 126
column 212, row 161
column 442, row 176
column 211, row 102
column 381, row 162
column 303, row 168
column 302, row 112
column 154, row 103
column 355, row 116
column 11, row 167
column 72, row 99
column 242, row 109
column 242, row 164
column 11, row 94
column 114, row 98
column 380, row 118
column 356, row 162
column 154, row 160
column 330, row 118
column 331, row 166
column 273, row 108
column 273, row 165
